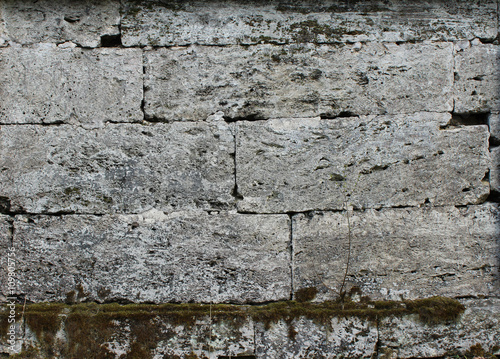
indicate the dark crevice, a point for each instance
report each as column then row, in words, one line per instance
column 342, row 114
column 493, row 197
column 467, row 119
column 55, row 123
column 237, row 357
column 111, row 40
column 251, row 117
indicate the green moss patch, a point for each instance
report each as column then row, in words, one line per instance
column 89, row 326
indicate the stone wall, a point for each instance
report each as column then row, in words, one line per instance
column 244, row 152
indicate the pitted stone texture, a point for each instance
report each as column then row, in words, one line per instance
column 477, row 79
column 400, row 253
column 269, row 81
column 222, row 339
column 495, row 170
column 180, row 257
column 47, row 84
column 285, row 165
column 121, row 168
column 239, row 22
column 81, row 21
column 480, row 324
column 347, row 337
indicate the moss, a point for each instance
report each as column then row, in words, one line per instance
column 69, row 191
column 89, row 325
column 306, row 294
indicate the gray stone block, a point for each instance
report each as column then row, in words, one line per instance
column 82, row 21
column 285, row 165
column 400, row 253
column 349, row 337
column 47, row 84
column 477, row 79
column 154, row 257
column 239, row 22
column 407, row 338
column 269, row 81
column 121, row 168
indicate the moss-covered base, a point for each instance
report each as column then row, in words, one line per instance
column 90, row 330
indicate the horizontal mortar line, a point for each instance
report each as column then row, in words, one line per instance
column 361, row 210
column 277, row 43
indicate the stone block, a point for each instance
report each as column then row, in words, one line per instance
column 349, row 337
column 480, row 324
column 477, row 79
column 82, row 22
column 239, row 22
column 266, row 81
column 285, row 165
column 404, row 253
column 121, row 168
column 154, row 257
column 47, row 84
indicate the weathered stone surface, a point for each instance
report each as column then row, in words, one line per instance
column 347, row 337
column 285, row 165
column 269, row 81
column 480, row 324
column 47, row 84
column 5, row 244
column 495, row 169
column 123, row 168
column 408, row 253
column 82, row 21
column 477, row 78
column 494, row 125
column 154, row 257
column 239, row 22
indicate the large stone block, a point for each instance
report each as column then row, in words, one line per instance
column 399, row 253
column 82, row 21
column 477, row 78
column 122, row 168
column 348, row 337
column 269, row 81
column 285, row 165
column 407, row 338
column 47, row 84
column 239, row 22
column 154, row 257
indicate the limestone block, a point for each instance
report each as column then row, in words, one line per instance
column 239, row 22
column 154, row 257
column 349, row 337
column 477, row 79
column 399, row 253
column 121, row 168
column 285, row 165
column 267, row 81
column 82, row 21
column 480, row 324
column 495, row 169
column 47, row 84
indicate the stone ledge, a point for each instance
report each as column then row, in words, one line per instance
column 242, row 22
